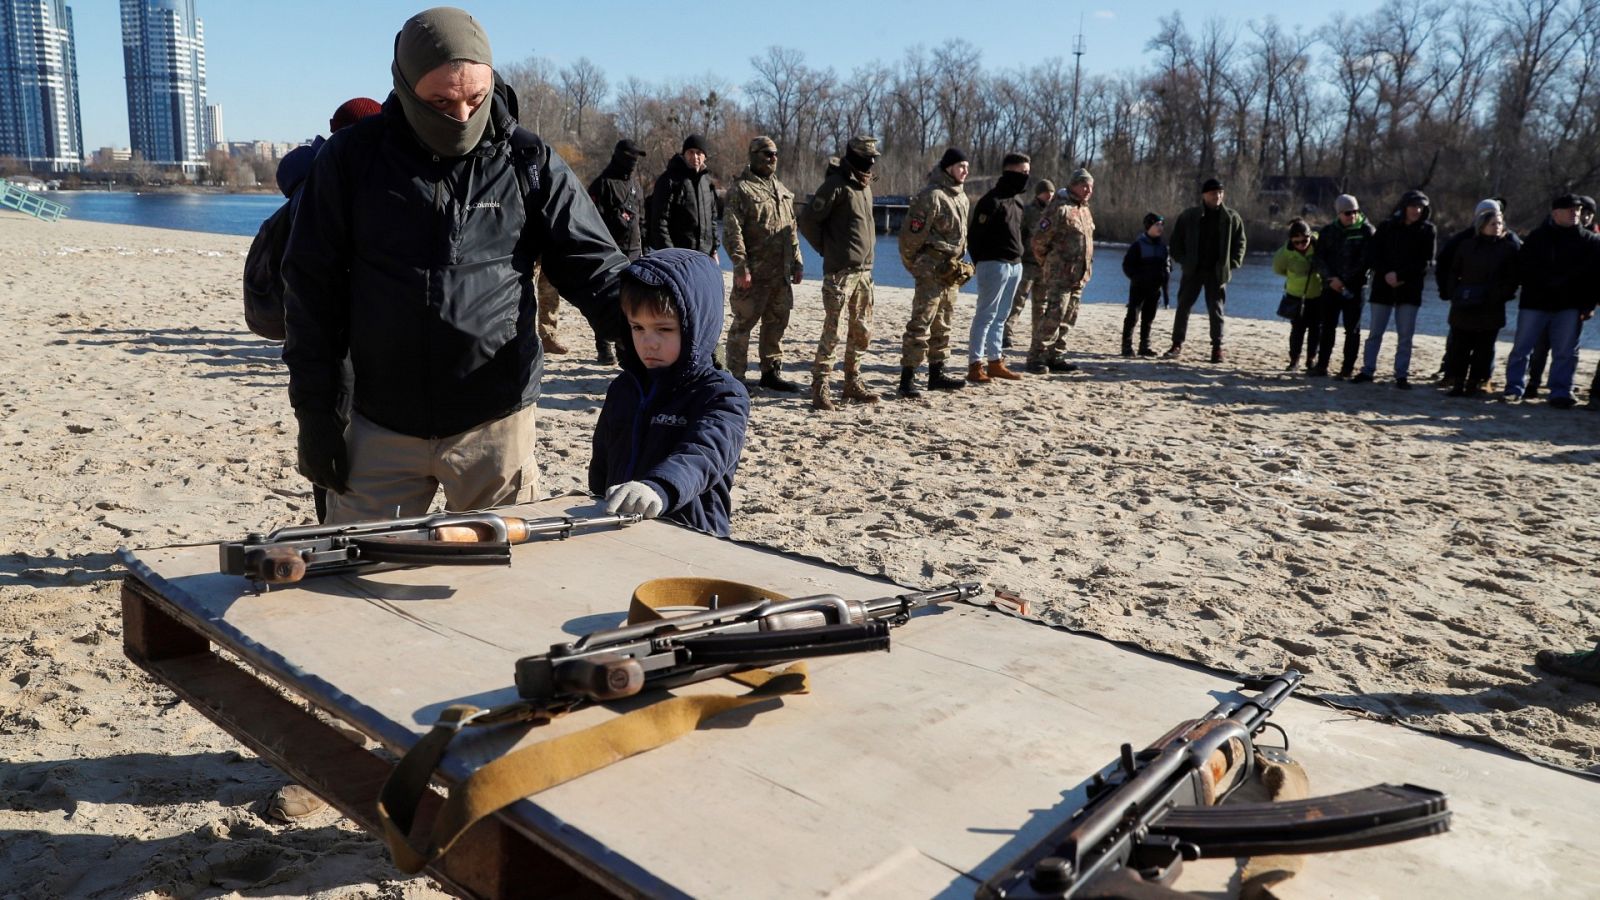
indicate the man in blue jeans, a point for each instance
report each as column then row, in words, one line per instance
column 1559, row 265
column 1398, row 253
column 994, row 238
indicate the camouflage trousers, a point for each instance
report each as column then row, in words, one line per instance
column 848, row 292
column 928, row 331
column 549, row 305
column 767, row 302
column 1026, row 288
column 1054, row 322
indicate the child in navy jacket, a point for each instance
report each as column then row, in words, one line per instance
column 670, row 434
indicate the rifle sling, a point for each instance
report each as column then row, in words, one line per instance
column 522, row 773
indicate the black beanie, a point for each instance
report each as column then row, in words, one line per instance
column 951, row 157
column 695, row 142
column 1211, row 184
column 1151, row 219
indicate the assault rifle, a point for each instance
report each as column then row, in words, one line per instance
column 1150, row 811
column 446, row 539
column 620, row 662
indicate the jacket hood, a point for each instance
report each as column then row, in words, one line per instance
column 696, row 286
column 1410, row 197
column 939, row 178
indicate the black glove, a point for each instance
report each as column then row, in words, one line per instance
column 323, row 458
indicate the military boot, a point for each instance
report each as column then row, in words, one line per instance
column 908, row 387
column 821, row 394
column 772, row 381
column 856, row 392
column 939, row 381
column 603, row 353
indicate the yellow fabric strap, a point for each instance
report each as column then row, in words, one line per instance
column 1284, row 779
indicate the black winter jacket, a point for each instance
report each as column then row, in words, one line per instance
column 617, row 197
column 1405, row 250
column 1148, row 264
column 994, row 232
column 1560, row 268
column 1478, row 261
column 1444, row 272
column 419, row 267
column 681, row 429
column 1342, row 253
column 683, row 210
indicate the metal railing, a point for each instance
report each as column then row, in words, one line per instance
column 13, row 197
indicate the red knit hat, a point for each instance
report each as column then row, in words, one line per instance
column 352, row 111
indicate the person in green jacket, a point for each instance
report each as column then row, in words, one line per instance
column 1208, row 242
column 1302, row 293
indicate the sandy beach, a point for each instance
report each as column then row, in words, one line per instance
column 1411, row 552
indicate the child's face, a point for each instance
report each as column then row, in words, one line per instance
column 657, row 338
column 1156, row 229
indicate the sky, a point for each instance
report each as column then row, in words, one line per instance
column 280, row 67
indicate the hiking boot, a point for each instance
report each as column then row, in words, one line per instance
column 908, row 387
column 1581, row 666
column 1035, row 367
column 1174, row 352
column 1059, row 365
column 1561, row 402
column 1318, row 372
column 976, row 374
column 1147, row 351
column 1362, row 378
column 1344, row 373
column 1532, row 393
column 856, row 392
column 998, row 370
column 1127, row 350
column 1294, row 363
column 821, row 394
column 603, row 354
column 1402, row 384
column 939, row 381
column 552, row 347
column 1216, row 354
column 772, row 381
column 294, row 803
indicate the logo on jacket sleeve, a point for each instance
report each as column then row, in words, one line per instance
column 669, row 419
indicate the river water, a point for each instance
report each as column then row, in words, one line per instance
column 1253, row 293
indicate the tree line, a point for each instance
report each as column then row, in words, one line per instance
column 1461, row 100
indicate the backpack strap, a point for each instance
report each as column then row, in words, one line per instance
column 527, row 158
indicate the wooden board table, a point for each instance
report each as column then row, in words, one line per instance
column 917, row 773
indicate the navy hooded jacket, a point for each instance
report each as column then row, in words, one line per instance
column 679, row 429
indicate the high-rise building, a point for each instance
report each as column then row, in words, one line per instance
column 214, row 125
column 39, row 121
column 164, row 58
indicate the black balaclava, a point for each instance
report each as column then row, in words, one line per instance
column 1011, row 183
column 427, row 41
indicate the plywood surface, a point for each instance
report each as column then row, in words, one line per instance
column 913, row 773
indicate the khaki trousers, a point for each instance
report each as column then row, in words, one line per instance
column 393, row 474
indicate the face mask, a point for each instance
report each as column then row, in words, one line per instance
column 763, row 165
column 1011, row 183
column 437, row 131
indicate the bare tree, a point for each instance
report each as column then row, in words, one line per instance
column 583, row 86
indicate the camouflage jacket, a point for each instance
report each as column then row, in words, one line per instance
column 758, row 228
column 1030, row 223
column 935, row 230
column 1063, row 243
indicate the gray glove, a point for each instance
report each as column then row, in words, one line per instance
column 634, row 498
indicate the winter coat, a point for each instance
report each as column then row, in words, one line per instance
column 838, row 221
column 419, row 268
column 1299, row 270
column 681, row 429
column 1482, row 262
column 1148, row 263
column 1063, row 242
column 1342, row 252
column 1031, row 214
column 1230, row 247
column 683, row 210
column 1560, row 268
column 758, row 225
column 995, row 232
column 935, row 231
column 617, row 197
column 1403, row 249
column 1444, row 264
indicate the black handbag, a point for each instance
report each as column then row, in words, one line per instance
column 1290, row 307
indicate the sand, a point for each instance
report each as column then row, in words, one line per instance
column 1410, row 551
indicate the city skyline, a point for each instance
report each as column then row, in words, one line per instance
column 164, row 64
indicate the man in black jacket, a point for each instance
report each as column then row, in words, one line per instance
column 683, row 206
column 1559, row 265
column 1341, row 259
column 412, row 250
column 616, row 196
column 1398, row 253
column 994, row 238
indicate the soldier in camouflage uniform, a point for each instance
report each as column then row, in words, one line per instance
column 1064, row 245
column 549, row 312
column 932, row 243
column 838, row 223
column 1042, row 195
column 759, row 234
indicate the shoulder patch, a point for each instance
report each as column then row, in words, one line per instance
column 916, row 224
column 982, row 218
column 1044, row 224
column 819, row 203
